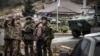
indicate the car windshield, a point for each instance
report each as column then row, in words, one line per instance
column 97, row 50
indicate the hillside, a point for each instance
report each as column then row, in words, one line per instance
column 14, row 3
column 13, row 6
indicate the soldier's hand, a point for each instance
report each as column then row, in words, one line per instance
column 23, row 29
column 34, row 42
column 15, row 16
column 7, row 18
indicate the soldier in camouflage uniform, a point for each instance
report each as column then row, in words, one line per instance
column 16, row 34
column 19, row 42
column 8, row 41
column 28, row 36
column 48, row 36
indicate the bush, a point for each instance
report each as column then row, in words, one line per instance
column 55, row 29
column 64, row 29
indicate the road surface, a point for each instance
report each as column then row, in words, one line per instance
column 67, row 41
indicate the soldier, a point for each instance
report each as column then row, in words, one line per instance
column 38, row 36
column 48, row 36
column 28, row 36
column 16, row 34
column 19, row 42
column 8, row 41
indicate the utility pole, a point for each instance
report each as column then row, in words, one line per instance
column 84, row 7
column 58, row 4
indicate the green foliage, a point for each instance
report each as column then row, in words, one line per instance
column 62, row 29
column 55, row 29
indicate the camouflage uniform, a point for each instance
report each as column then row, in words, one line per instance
column 16, row 34
column 48, row 36
column 28, row 38
column 8, row 43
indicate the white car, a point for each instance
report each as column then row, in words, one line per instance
column 88, row 46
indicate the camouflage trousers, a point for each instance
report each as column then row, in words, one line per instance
column 29, row 46
column 47, row 48
column 8, row 46
column 16, row 47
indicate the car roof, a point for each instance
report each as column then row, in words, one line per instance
column 95, row 36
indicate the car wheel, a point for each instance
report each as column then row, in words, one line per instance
column 76, row 33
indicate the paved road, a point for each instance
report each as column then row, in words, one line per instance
column 65, row 40
column 59, row 41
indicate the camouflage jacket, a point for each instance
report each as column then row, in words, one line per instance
column 16, row 31
column 47, row 33
column 7, row 31
column 28, row 32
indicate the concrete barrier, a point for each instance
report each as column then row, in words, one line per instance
column 63, row 34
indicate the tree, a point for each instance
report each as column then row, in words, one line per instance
column 29, row 9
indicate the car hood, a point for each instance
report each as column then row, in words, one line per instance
column 92, row 34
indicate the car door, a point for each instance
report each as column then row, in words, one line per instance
column 85, row 47
column 97, row 50
column 82, row 48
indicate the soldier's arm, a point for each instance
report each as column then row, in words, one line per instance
column 23, row 28
column 21, row 31
column 5, row 24
column 31, row 27
column 13, row 22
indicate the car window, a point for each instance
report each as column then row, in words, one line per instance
column 97, row 50
column 85, row 46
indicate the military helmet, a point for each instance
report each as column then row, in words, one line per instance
column 28, row 18
column 44, row 18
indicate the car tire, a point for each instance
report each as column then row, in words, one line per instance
column 76, row 33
